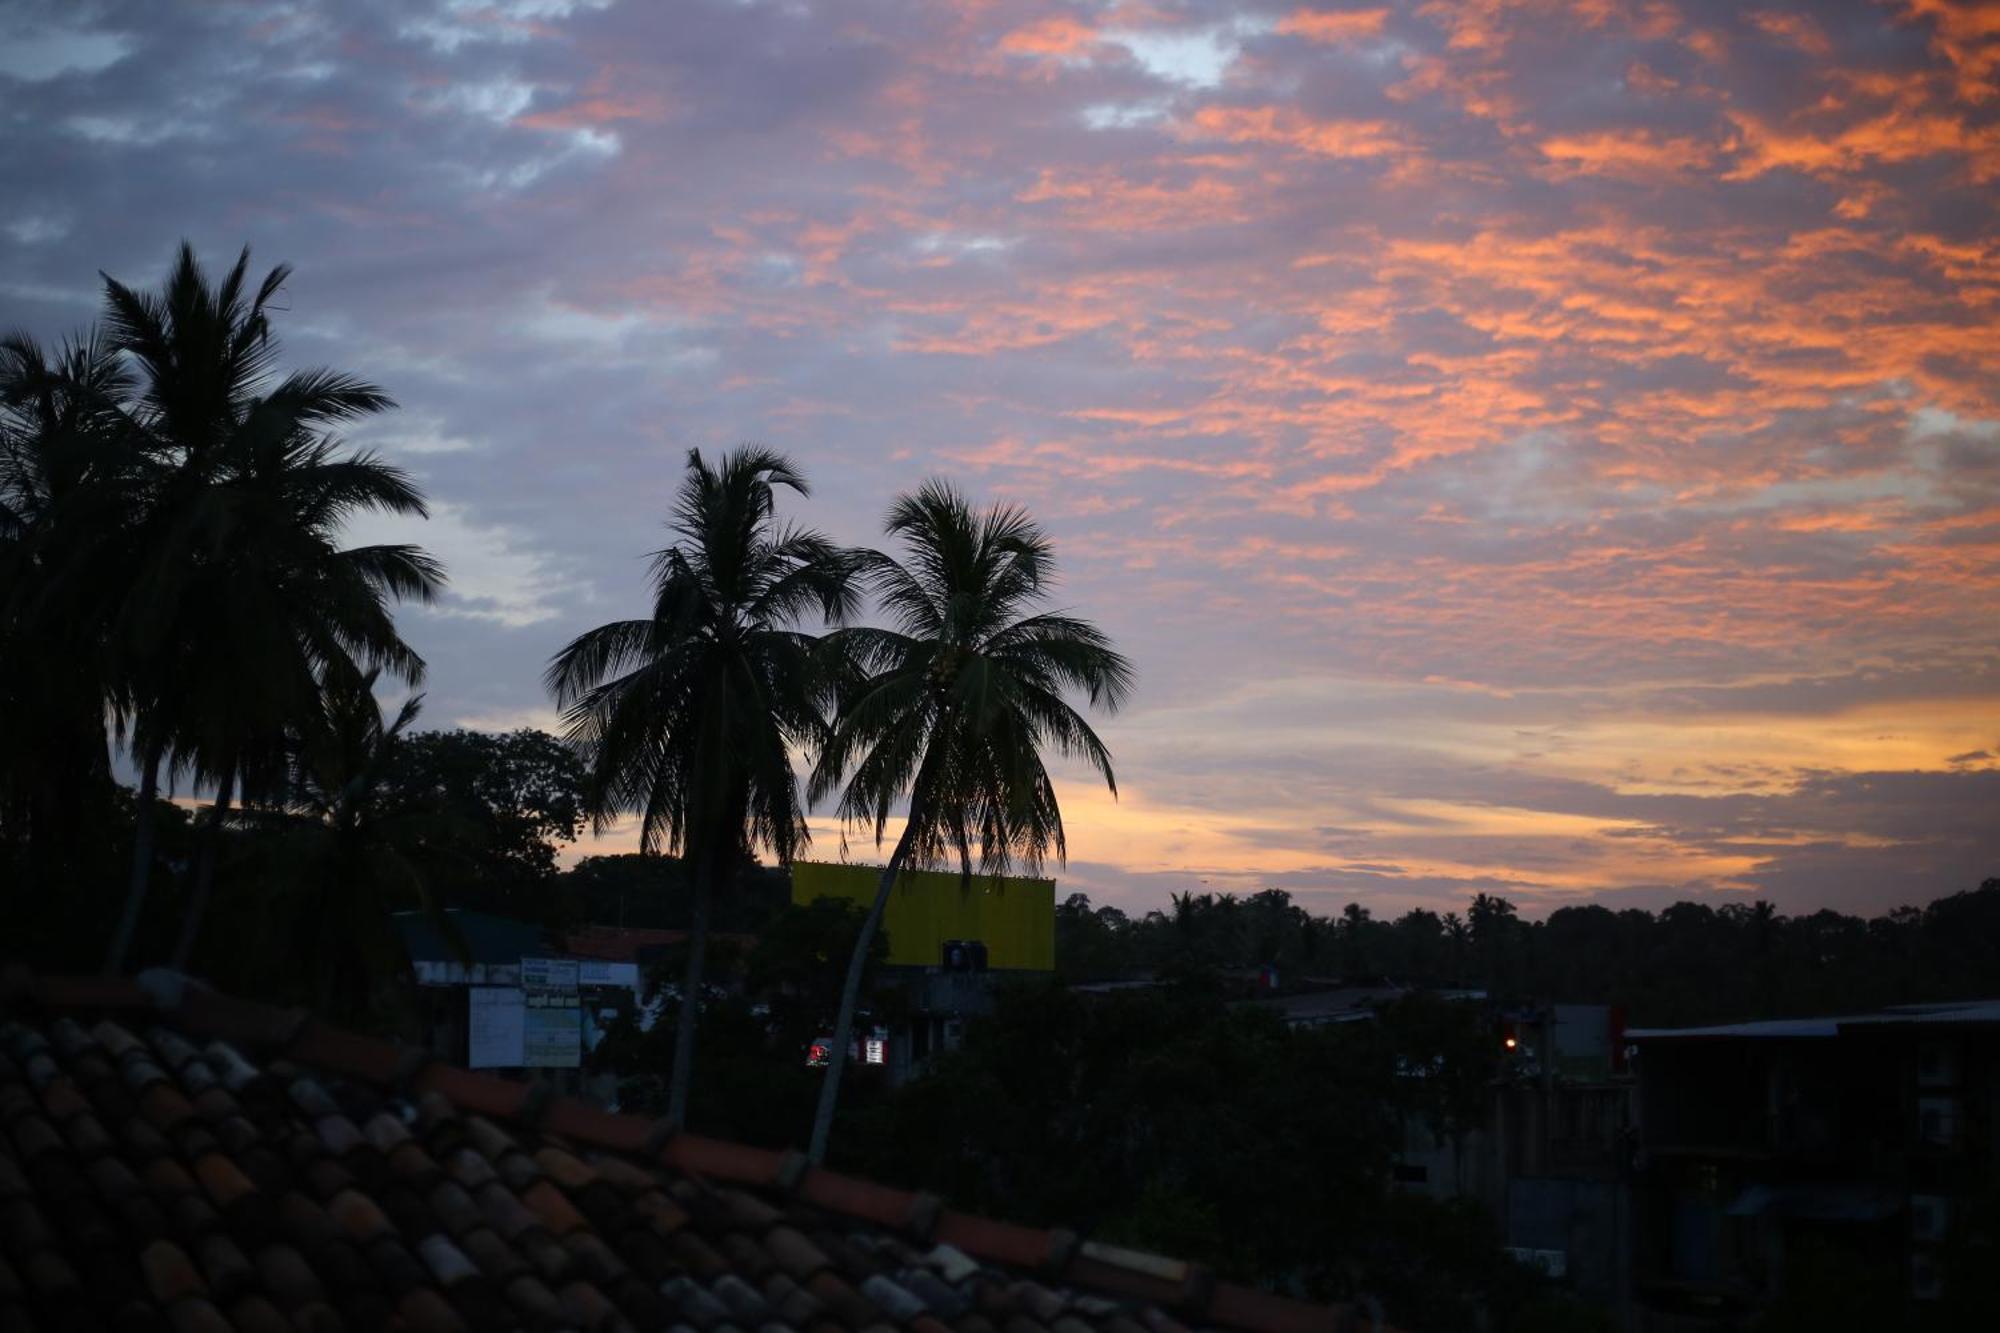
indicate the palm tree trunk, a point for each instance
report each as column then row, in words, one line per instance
column 204, row 874
column 690, row 1013
column 142, row 862
column 850, row 997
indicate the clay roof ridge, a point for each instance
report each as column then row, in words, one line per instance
column 1188, row 1290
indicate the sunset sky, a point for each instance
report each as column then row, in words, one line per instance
column 1549, row 449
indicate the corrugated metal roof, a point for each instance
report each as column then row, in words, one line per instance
column 1807, row 1029
column 1927, row 1015
column 488, row 938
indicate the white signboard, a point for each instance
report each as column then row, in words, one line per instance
column 494, row 1027
column 439, row 972
column 590, row 972
column 552, row 1024
column 1555, row 1263
column 549, row 973
column 552, row 1031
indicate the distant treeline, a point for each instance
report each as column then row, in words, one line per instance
column 486, row 815
column 1689, row 963
column 475, row 820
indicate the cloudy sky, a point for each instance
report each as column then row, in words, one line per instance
column 1528, row 447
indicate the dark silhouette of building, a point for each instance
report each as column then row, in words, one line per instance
column 1777, row 1157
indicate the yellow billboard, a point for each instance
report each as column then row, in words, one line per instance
column 1014, row 917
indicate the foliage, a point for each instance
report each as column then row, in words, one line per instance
column 955, row 704
column 326, row 870
column 797, row 966
column 1186, row 1125
column 633, row 889
column 689, row 718
column 785, row 989
column 172, row 512
column 1690, row 963
column 244, row 598
column 1446, row 1060
column 71, row 486
column 523, row 793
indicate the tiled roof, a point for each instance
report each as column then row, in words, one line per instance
column 174, row 1158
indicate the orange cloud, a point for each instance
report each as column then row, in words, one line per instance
column 1333, row 25
column 1895, row 136
column 1626, row 153
column 1793, row 28
column 1109, row 200
column 1968, row 36
column 1057, row 36
column 1284, row 125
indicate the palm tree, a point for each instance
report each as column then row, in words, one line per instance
column 954, row 706
column 245, row 601
column 344, row 858
column 297, row 606
column 689, row 718
column 70, row 482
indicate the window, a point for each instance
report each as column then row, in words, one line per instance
column 1928, row 1218
column 1937, row 1064
column 1926, row 1282
column 1938, row 1121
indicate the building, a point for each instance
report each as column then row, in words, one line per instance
column 1549, row 1156
column 171, row 1157
column 949, row 938
column 930, row 911
column 494, row 993
column 1774, row 1154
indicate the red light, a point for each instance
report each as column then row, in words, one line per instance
column 1511, row 1043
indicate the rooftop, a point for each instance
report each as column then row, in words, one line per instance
column 1961, row 1012
column 172, row 1156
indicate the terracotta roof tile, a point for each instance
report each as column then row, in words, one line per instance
column 197, row 1316
column 357, row 1215
column 395, row 1265
column 532, row 1297
column 175, row 1158
column 284, row 1273
column 224, row 1265
column 662, row 1214
column 427, row 1312
column 455, row 1209
column 495, row 1258
column 551, row 1262
column 222, row 1179
column 255, row 1314
column 847, row 1305
column 794, row 1304
column 746, row 1256
column 794, row 1253
column 170, row 1274
column 586, row 1306
column 553, row 1207
column 694, row 1255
